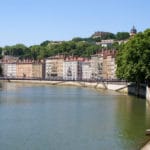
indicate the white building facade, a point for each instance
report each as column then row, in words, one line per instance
column 9, row 69
column 72, row 70
column 86, row 70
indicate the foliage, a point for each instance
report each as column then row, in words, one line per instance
column 84, row 48
column 89, row 40
column 133, row 58
column 77, row 39
column 122, row 35
column 15, row 50
column 108, row 36
column 103, row 35
column 115, row 46
column 45, row 43
column 78, row 46
column 98, row 39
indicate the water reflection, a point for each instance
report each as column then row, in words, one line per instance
column 132, row 116
column 0, row 85
column 8, row 93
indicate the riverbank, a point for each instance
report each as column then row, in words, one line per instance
column 146, row 146
column 115, row 86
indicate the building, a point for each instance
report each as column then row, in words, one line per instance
column 9, row 69
column 24, row 70
column 133, row 31
column 38, row 70
column 86, row 70
column 96, row 66
column 106, row 43
column 100, row 34
column 72, row 68
column 54, row 67
column 109, row 65
column 103, row 65
column 9, row 59
column 30, row 69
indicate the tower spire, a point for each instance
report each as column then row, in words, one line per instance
column 133, row 31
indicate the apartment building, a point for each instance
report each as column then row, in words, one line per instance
column 38, row 70
column 9, row 59
column 30, row 69
column 101, row 66
column 86, row 70
column 24, row 70
column 72, row 68
column 96, row 66
column 9, row 69
column 54, row 67
column 109, row 65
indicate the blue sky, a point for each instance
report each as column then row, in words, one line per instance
column 34, row 21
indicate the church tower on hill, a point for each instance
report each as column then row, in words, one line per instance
column 133, row 31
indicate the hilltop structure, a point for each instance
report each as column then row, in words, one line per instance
column 133, row 31
column 100, row 34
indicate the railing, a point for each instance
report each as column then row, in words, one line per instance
column 110, row 81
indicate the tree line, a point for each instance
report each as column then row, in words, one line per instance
column 49, row 48
column 78, row 46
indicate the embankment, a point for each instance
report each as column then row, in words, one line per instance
column 116, row 86
column 123, row 87
column 148, row 93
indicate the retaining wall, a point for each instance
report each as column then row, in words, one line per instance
column 116, row 86
column 148, row 93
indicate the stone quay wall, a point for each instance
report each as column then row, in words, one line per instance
column 123, row 87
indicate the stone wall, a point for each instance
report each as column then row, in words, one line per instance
column 137, row 91
column 116, row 86
column 148, row 93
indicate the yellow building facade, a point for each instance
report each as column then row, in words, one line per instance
column 30, row 70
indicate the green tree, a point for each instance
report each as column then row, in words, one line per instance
column 115, row 46
column 19, row 50
column 133, row 59
column 77, row 39
column 45, row 43
column 122, row 35
column 43, row 53
column 15, row 50
column 35, row 51
column 7, row 50
column 108, row 36
column 81, row 48
column 98, row 39
column 92, row 49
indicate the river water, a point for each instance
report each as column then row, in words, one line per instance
column 43, row 117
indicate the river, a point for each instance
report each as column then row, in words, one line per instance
column 43, row 117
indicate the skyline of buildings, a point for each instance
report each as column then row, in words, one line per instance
column 100, row 66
